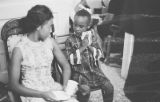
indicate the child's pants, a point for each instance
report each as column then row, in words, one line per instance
column 107, row 93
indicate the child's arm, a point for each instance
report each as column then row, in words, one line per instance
column 98, row 39
column 73, row 54
column 95, row 47
column 97, row 52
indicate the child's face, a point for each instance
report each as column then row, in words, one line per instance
column 81, row 24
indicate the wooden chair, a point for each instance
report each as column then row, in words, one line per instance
column 9, row 29
column 4, row 97
column 113, row 44
column 139, row 25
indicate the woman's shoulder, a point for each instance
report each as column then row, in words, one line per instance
column 14, row 41
column 21, row 41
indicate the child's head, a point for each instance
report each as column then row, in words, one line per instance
column 82, row 21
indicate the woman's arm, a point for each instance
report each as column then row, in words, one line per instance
column 63, row 62
column 14, row 76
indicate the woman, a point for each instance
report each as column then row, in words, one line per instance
column 30, row 71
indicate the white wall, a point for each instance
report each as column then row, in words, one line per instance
column 18, row 8
column 97, row 3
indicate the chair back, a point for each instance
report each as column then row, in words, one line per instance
column 10, row 28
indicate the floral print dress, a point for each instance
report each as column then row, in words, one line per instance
column 36, row 67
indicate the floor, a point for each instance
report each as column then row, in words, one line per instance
column 113, row 74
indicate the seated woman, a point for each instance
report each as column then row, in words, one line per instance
column 30, row 70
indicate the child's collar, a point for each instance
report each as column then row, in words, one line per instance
column 77, row 35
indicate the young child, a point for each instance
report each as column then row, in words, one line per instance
column 83, row 53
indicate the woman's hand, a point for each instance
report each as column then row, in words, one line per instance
column 49, row 96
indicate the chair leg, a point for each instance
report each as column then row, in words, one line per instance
column 107, row 47
column 13, row 97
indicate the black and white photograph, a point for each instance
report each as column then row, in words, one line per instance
column 79, row 51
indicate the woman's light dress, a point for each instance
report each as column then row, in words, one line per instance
column 36, row 66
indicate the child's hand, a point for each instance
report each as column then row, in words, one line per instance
column 91, row 49
column 85, row 41
column 85, row 89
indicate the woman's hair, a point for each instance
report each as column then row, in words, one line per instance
column 36, row 16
